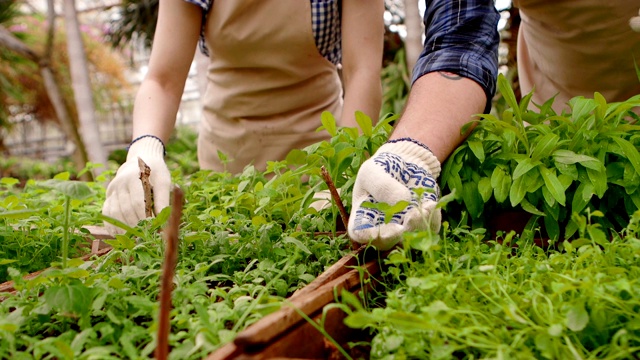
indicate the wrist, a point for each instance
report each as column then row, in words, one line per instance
column 147, row 147
column 414, row 151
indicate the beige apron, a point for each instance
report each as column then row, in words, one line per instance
column 565, row 47
column 267, row 83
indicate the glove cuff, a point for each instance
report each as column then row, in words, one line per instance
column 147, row 147
column 414, row 151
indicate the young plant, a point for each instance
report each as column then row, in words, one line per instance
column 548, row 165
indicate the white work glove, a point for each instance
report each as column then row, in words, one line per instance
column 392, row 175
column 634, row 22
column 125, row 194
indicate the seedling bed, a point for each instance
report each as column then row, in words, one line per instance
column 285, row 334
column 98, row 248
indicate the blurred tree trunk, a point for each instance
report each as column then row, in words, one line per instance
column 81, row 85
column 413, row 42
column 8, row 41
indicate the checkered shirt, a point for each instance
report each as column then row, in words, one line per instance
column 326, row 25
column 462, row 38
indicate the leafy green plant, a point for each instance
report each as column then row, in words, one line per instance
column 42, row 223
column 240, row 240
column 548, row 165
column 457, row 295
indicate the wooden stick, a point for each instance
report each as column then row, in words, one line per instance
column 168, row 269
column 145, row 173
column 336, row 198
column 335, row 195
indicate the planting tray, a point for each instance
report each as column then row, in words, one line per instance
column 285, row 334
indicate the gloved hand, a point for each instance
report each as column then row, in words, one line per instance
column 125, row 194
column 391, row 175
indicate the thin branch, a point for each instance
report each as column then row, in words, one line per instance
column 335, row 195
column 145, row 173
column 338, row 201
column 168, row 270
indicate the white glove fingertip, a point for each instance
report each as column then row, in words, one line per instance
column 388, row 236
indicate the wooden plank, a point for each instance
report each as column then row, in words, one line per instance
column 8, row 286
column 275, row 324
column 339, row 268
column 304, row 341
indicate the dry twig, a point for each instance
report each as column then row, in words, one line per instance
column 168, row 269
column 336, row 197
column 145, row 173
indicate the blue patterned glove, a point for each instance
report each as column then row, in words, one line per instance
column 392, row 175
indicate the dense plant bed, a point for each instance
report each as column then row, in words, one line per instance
column 457, row 296
column 39, row 220
column 247, row 242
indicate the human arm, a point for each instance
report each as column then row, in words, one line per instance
column 454, row 79
column 362, row 45
column 155, row 109
column 158, row 98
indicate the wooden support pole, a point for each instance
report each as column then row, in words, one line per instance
column 168, row 270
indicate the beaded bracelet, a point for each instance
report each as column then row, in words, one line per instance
column 164, row 150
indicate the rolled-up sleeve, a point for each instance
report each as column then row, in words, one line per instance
column 461, row 37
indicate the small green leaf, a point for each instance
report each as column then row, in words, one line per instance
column 581, row 107
column 74, row 299
column 577, row 317
column 477, row 149
column 629, row 151
column 328, row 123
column 569, row 157
column 297, row 243
column 517, row 192
column 359, row 320
column 528, row 207
column 555, row 330
column 553, row 185
column 601, row 109
column 351, row 300
column 9, row 181
column 544, row 146
column 524, row 167
column 501, row 183
column 365, row 123
column 63, row 176
column 77, row 190
column 599, row 181
column 509, row 96
column 485, row 189
column 472, row 199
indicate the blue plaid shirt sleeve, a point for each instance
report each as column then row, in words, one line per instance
column 462, row 38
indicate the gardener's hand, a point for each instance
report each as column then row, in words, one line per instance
column 392, row 175
column 125, row 194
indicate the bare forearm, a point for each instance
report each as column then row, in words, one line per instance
column 439, row 104
column 155, row 110
column 363, row 92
